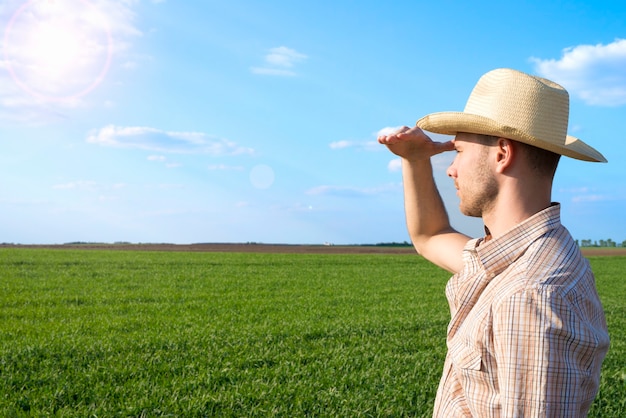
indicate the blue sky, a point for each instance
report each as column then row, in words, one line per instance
column 256, row 121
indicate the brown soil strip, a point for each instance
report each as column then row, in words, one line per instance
column 275, row 248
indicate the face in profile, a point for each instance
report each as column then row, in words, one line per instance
column 473, row 177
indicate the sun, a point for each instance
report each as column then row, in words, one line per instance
column 58, row 49
column 54, row 49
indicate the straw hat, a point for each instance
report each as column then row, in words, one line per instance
column 514, row 105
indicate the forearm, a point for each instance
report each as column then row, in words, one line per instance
column 427, row 221
column 426, row 214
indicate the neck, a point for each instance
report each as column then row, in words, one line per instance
column 513, row 206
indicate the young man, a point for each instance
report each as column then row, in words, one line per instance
column 528, row 334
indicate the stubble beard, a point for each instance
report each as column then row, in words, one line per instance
column 479, row 197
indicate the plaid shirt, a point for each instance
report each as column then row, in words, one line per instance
column 527, row 335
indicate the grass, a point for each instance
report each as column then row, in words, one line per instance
column 157, row 334
column 611, row 399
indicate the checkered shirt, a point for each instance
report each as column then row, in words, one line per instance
column 528, row 334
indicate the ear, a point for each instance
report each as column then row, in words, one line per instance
column 505, row 154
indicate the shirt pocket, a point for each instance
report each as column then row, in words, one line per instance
column 467, row 358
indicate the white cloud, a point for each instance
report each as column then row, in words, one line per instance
column 591, row 198
column 77, row 185
column 395, row 165
column 280, row 61
column 364, row 145
column 347, row 191
column 87, row 185
column 163, row 159
column 171, row 186
column 588, row 194
column 440, row 162
column 159, row 158
column 388, row 130
column 340, row 144
column 360, row 145
column 575, row 190
column 151, row 139
column 224, row 167
column 284, row 57
column 272, row 71
column 129, row 65
column 594, row 73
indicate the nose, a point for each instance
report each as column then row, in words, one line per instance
column 451, row 171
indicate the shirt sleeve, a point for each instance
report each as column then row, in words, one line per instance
column 544, row 352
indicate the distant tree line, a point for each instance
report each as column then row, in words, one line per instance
column 600, row 243
column 394, row 244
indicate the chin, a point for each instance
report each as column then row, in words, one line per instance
column 472, row 213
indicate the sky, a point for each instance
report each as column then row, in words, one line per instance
column 256, row 121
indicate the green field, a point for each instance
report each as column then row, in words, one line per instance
column 166, row 334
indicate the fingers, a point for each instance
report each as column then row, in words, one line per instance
column 399, row 134
column 413, row 142
column 393, row 136
column 387, row 139
column 415, row 130
column 445, row 146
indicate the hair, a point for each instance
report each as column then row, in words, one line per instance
column 487, row 139
column 543, row 161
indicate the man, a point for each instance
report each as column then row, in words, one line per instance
column 528, row 334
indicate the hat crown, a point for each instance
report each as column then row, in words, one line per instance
column 511, row 104
column 522, row 102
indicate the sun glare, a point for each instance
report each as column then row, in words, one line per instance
column 57, row 49
column 53, row 49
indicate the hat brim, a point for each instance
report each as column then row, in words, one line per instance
column 451, row 123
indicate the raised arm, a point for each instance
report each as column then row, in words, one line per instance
column 427, row 220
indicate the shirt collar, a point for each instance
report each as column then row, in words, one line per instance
column 496, row 254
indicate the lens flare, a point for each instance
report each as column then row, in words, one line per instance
column 58, row 50
column 262, row 176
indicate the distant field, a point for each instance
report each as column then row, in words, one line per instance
column 196, row 333
column 274, row 248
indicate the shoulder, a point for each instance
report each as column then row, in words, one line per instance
column 551, row 263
